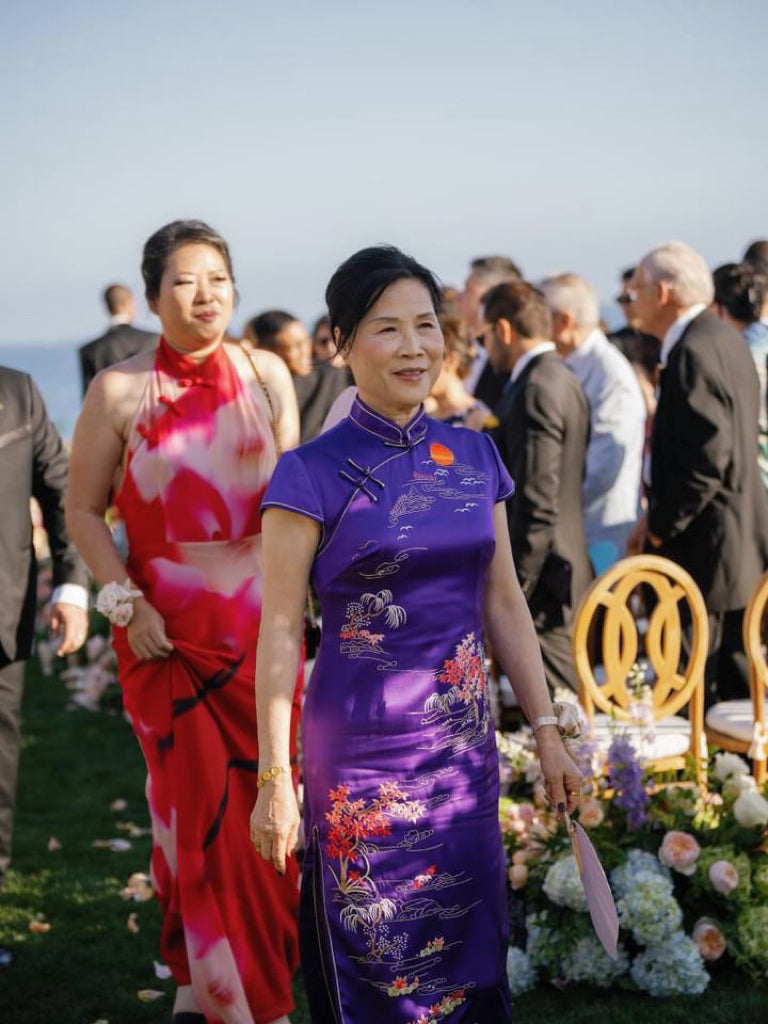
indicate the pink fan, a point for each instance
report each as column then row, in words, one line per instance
column 600, row 903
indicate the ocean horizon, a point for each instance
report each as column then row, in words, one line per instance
column 55, row 369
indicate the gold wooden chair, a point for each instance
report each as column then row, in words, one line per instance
column 608, row 703
column 739, row 725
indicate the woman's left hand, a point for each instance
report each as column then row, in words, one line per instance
column 561, row 776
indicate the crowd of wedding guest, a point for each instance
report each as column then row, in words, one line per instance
column 653, row 437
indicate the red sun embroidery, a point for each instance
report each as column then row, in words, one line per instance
column 441, row 455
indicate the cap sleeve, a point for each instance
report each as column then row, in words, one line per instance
column 293, row 489
column 505, row 485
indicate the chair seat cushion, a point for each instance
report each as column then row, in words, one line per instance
column 732, row 718
column 672, row 736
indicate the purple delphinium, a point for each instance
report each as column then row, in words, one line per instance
column 626, row 778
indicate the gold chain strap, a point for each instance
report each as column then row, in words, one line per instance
column 265, row 389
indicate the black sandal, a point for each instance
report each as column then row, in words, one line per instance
column 185, row 1017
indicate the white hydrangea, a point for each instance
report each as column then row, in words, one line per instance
column 542, row 946
column 520, row 971
column 649, row 909
column 589, row 963
column 563, row 884
column 671, row 968
column 623, row 877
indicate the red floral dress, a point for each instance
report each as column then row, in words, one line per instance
column 199, row 458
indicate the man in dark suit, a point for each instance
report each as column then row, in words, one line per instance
column 542, row 438
column 33, row 463
column 707, row 508
column 121, row 340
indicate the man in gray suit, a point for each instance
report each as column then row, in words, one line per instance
column 33, row 463
column 121, row 340
column 611, row 491
column 542, row 439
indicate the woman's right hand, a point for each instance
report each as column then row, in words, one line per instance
column 146, row 632
column 275, row 820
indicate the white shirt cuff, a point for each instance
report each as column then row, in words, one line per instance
column 71, row 593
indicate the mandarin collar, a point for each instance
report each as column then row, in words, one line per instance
column 387, row 430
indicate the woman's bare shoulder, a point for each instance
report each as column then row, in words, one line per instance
column 127, row 376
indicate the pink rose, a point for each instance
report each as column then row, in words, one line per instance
column 679, row 851
column 724, row 877
column 526, row 812
column 591, row 814
column 709, row 939
column 518, row 876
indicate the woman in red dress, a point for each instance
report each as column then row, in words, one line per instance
column 182, row 439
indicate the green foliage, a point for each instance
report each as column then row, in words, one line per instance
column 89, row 966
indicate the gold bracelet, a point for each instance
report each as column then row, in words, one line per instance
column 271, row 773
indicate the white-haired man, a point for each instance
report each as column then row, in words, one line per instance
column 707, row 508
column 613, row 475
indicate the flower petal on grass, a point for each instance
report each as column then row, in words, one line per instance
column 53, row 844
column 118, row 805
column 138, row 888
column 162, row 971
column 39, row 927
column 134, row 831
column 149, row 995
column 115, row 845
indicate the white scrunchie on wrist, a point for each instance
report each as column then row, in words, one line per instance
column 115, row 601
column 569, row 719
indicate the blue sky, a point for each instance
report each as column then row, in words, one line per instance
column 569, row 136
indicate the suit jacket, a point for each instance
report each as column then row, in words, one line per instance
column 120, row 342
column 32, row 463
column 315, row 395
column 542, row 438
column 706, row 500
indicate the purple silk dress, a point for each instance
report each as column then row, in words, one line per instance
column 404, row 910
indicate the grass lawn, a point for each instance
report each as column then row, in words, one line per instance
column 89, row 967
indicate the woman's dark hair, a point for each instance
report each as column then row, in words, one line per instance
column 740, row 290
column 264, row 328
column 459, row 341
column 322, row 321
column 160, row 246
column 360, row 281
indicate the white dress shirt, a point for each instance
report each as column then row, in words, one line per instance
column 70, row 593
column 676, row 330
column 611, row 491
column 522, row 362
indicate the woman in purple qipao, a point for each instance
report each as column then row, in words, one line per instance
column 399, row 523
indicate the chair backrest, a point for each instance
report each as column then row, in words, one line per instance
column 758, row 674
column 611, row 593
column 753, row 636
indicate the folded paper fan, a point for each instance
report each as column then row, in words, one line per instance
column 600, row 903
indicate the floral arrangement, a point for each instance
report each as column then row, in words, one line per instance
column 688, row 870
